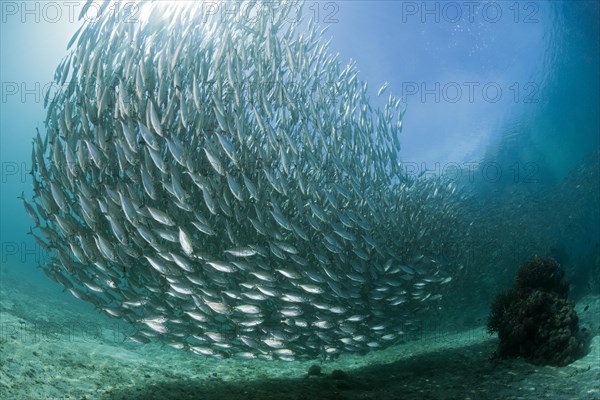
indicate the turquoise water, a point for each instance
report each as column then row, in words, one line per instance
column 505, row 105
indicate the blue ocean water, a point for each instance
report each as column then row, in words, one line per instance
column 501, row 97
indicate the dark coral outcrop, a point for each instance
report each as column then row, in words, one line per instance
column 535, row 320
column 542, row 274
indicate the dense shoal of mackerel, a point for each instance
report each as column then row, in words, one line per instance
column 225, row 185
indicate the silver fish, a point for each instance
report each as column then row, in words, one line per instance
column 185, row 201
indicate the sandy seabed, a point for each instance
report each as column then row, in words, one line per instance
column 52, row 348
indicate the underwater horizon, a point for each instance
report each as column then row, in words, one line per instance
column 284, row 200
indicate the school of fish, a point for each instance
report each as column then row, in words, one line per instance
column 222, row 183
